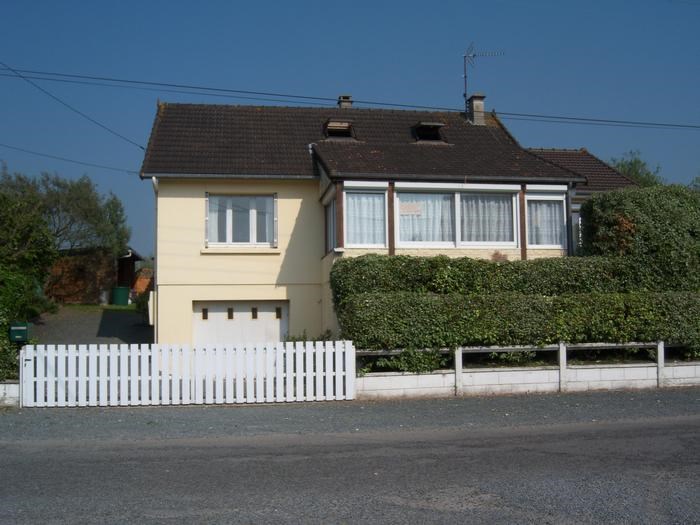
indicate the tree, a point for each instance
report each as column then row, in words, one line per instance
column 79, row 217
column 26, row 242
column 632, row 165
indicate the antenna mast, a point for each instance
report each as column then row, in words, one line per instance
column 470, row 56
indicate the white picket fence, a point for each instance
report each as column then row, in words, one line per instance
column 128, row 375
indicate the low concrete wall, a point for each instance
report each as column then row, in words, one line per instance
column 682, row 374
column 489, row 381
column 510, row 380
column 388, row 385
column 9, row 394
column 610, row 377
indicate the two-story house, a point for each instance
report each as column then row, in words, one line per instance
column 254, row 204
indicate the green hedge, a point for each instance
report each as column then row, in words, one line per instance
column 661, row 221
column 419, row 320
column 551, row 276
column 657, row 227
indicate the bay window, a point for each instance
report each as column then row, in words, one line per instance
column 241, row 220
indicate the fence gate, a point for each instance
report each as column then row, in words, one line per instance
column 128, row 375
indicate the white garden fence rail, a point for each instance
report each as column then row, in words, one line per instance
column 128, row 375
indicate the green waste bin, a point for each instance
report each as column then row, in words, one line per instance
column 120, row 295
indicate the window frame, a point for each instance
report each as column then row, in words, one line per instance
column 330, row 218
column 422, row 244
column 546, row 197
column 488, row 244
column 380, row 188
column 252, row 222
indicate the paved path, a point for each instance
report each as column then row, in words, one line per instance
column 618, row 457
column 91, row 324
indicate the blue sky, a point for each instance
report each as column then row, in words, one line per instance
column 635, row 60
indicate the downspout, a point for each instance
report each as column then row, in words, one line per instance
column 156, row 295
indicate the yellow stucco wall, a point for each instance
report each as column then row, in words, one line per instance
column 187, row 271
column 296, row 271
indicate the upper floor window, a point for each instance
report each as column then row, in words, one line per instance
column 365, row 218
column 426, row 217
column 546, row 222
column 241, row 219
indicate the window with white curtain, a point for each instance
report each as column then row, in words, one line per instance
column 545, row 222
column 426, row 217
column 365, row 218
column 487, row 218
column 240, row 219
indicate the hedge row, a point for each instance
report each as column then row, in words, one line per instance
column 662, row 222
column 551, row 276
column 419, row 320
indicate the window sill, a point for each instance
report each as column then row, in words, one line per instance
column 248, row 250
column 545, row 247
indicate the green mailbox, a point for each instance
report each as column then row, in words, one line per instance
column 19, row 332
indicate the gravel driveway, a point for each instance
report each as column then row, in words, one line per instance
column 82, row 324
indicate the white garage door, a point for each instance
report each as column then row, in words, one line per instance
column 228, row 322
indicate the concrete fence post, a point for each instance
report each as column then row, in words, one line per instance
column 458, row 371
column 660, row 361
column 562, row 367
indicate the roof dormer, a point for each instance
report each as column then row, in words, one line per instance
column 428, row 131
column 337, row 128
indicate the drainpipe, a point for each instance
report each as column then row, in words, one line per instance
column 154, row 180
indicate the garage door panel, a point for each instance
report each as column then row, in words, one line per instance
column 230, row 322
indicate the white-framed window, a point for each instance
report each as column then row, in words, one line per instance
column 488, row 219
column 425, row 218
column 365, row 218
column 546, row 221
column 241, row 220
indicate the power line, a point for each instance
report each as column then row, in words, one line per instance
column 75, row 110
column 286, row 97
column 183, row 86
column 161, row 90
column 64, row 159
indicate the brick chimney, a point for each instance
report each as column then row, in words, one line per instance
column 345, row 101
column 476, row 109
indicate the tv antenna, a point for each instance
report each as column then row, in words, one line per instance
column 470, row 56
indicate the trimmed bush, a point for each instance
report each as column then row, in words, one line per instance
column 657, row 221
column 552, row 276
column 417, row 320
column 657, row 227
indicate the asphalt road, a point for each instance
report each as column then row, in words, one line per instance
column 587, row 458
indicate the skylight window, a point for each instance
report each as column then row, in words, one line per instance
column 339, row 129
column 428, row 131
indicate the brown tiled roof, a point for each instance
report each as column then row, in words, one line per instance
column 202, row 140
column 599, row 175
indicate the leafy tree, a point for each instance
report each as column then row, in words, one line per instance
column 26, row 242
column 632, row 165
column 79, row 217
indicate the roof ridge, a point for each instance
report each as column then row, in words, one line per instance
column 312, row 108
